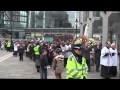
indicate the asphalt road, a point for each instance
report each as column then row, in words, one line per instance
column 12, row 68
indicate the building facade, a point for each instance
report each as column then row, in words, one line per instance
column 102, row 24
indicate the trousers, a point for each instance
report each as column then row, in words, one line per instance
column 43, row 74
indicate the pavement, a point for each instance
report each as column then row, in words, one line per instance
column 12, row 68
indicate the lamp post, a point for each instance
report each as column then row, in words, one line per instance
column 76, row 21
column 11, row 24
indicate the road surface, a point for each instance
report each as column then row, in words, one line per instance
column 12, row 68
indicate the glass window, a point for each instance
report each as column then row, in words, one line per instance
column 96, row 13
column 55, row 19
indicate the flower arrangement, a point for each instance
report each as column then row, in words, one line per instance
column 81, row 40
column 91, row 42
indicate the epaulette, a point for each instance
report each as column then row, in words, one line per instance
column 71, row 57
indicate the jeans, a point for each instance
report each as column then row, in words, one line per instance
column 43, row 74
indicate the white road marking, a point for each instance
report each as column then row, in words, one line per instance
column 5, row 57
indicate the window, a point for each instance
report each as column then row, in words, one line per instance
column 96, row 13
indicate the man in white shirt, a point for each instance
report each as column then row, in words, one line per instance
column 114, row 53
column 15, row 49
column 106, row 60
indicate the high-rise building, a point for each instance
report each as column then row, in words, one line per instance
column 18, row 19
column 54, row 19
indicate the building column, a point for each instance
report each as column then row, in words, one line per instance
column 43, row 19
column 81, row 22
column 117, row 41
column 81, row 30
column 29, row 19
column 104, row 31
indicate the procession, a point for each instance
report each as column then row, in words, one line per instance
column 59, row 54
column 75, row 56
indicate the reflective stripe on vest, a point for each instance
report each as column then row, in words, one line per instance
column 79, row 70
column 71, row 71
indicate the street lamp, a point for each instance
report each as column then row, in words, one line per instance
column 11, row 24
column 76, row 21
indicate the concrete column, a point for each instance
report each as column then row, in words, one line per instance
column 117, row 40
column 104, row 30
column 81, row 30
column 43, row 19
column 90, row 14
column 81, row 23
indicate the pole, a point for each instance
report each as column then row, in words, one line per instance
column 11, row 25
column 25, row 34
column 76, row 31
column 43, row 19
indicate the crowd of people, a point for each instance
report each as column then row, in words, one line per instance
column 59, row 55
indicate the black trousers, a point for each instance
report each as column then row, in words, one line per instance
column 8, row 49
column 30, row 55
column 97, row 60
column 37, row 64
column 105, row 72
column 65, row 61
column 15, row 53
column 49, row 61
column 21, row 56
column 88, row 64
column 27, row 54
column 113, row 71
column 43, row 74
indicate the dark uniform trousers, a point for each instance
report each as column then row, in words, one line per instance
column 21, row 56
column 37, row 63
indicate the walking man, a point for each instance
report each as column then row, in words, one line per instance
column 43, row 64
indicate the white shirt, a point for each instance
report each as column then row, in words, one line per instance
column 106, row 60
column 115, row 57
column 16, row 47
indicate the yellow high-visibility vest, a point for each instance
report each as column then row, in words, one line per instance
column 36, row 50
column 8, row 44
column 76, row 70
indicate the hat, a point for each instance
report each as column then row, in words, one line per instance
column 58, row 50
column 78, row 46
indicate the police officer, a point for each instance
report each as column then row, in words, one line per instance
column 8, row 46
column 37, row 51
column 76, row 67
